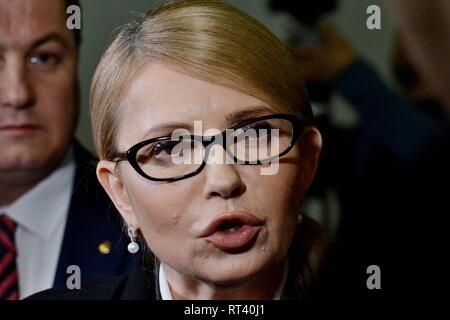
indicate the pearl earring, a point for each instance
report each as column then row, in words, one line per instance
column 299, row 218
column 133, row 246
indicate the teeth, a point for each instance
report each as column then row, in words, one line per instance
column 233, row 229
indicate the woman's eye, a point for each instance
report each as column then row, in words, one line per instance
column 258, row 126
column 164, row 151
column 262, row 130
column 165, row 146
column 256, row 130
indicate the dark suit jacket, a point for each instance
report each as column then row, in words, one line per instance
column 92, row 220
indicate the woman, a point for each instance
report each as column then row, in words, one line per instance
column 217, row 205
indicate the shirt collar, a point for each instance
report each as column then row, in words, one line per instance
column 41, row 209
column 163, row 285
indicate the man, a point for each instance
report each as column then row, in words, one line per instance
column 53, row 214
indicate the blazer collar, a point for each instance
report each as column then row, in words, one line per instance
column 141, row 284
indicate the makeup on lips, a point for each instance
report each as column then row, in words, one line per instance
column 233, row 232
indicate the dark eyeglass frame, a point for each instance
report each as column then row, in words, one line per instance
column 208, row 142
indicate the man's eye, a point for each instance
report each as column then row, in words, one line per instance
column 44, row 60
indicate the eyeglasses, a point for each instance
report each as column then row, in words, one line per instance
column 180, row 156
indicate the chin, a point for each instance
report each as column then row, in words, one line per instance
column 31, row 161
column 235, row 271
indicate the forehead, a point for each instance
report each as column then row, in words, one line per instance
column 24, row 21
column 160, row 94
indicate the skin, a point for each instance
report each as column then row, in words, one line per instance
column 38, row 63
column 172, row 215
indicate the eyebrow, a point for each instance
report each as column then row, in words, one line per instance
column 239, row 116
column 166, row 126
column 230, row 120
column 47, row 38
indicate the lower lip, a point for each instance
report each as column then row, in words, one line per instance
column 20, row 131
column 236, row 240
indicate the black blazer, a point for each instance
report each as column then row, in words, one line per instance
column 92, row 220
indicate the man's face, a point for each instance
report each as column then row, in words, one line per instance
column 38, row 63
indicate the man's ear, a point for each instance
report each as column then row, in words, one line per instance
column 310, row 142
column 110, row 179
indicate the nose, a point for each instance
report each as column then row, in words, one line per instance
column 222, row 180
column 15, row 88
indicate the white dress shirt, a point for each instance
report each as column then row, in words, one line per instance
column 40, row 216
column 167, row 295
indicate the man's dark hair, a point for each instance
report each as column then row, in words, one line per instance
column 77, row 32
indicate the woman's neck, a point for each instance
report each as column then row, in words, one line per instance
column 263, row 287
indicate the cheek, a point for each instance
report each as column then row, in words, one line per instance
column 56, row 100
column 279, row 198
column 160, row 210
column 281, row 191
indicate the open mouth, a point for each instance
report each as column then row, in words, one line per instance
column 230, row 226
column 233, row 232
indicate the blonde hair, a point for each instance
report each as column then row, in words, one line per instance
column 209, row 40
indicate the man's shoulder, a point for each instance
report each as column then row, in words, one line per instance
column 96, row 288
column 138, row 284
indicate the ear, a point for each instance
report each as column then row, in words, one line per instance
column 310, row 142
column 111, row 180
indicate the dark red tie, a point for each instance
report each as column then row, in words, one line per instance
column 9, row 289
